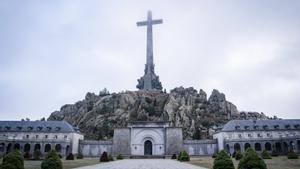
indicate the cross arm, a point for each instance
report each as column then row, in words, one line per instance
column 153, row 22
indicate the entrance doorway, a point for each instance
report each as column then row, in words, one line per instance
column 148, row 148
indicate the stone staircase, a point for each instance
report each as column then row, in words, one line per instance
column 146, row 156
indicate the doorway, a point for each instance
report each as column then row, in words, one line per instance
column 148, row 148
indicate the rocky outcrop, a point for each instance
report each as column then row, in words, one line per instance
column 98, row 115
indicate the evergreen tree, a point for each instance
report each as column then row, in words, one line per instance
column 13, row 160
column 223, row 161
column 265, row 155
column 251, row 161
column 52, row 161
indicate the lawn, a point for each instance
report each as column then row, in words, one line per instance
column 67, row 164
column 280, row 162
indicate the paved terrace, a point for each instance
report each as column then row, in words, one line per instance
column 143, row 164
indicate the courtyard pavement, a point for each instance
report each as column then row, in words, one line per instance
column 143, row 164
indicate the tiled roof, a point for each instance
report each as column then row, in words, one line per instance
column 37, row 126
column 244, row 125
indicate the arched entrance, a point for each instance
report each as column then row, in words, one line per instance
column 148, row 147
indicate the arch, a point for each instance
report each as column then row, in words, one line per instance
column 27, row 148
column 257, row 147
column 8, row 149
column 67, row 150
column 292, row 145
column 278, row 147
column 247, row 145
column 37, row 147
column 298, row 144
column 47, row 147
column 237, row 147
column 2, row 146
column 285, row 148
column 17, row 146
column 148, row 147
column 58, row 148
column 268, row 146
column 227, row 148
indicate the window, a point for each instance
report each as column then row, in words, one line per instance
column 256, row 127
column 46, row 136
column 287, row 126
column 247, row 128
column 55, row 136
column 269, row 135
column 276, row 126
column 29, row 128
column 27, row 136
column 57, row 128
column 19, row 128
column 249, row 135
column 266, row 127
column 259, row 135
column 39, row 128
column 237, row 127
column 240, row 135
column 297, row 126
column 48, row 128
column 36, row 136
column 66, row 136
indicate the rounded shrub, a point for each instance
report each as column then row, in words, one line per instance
column 174, row 156
column 251, row 160
column 119, row 157
column 79, row 155
column 37, row 154
column 70, row 157
column 238, row 155
column 13, row 160
column 183, row 156
column 292, row 155
column 52, row 161
column 223, row 161
column 104, row 157
column 265, row 155
column 110, row 158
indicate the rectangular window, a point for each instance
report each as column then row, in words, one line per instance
column 36, row 136
column 249, row 135
column 240, row 135
column 55, row 136
column 27, row 136
column 66, row 136
column 46, row 136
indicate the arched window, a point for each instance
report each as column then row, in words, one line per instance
column 257, row 147
column 298, row 144
column 27, row 148
column 67, row 150
column 37, row 147
column 17, row 146
column 278, row 147
column 227, row 148
column 247, row 145
column 285, row 147
column 58, row 148
column 237, row 147
column 2, row 145
column 47, row 147
column 268, row 146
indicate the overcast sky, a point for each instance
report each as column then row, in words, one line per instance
column 54, row 52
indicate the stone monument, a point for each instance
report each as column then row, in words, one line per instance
column 150, row 81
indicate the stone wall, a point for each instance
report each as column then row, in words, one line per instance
column 200, row 147
column 121, row 141
column 173, row 140
column 93, row 148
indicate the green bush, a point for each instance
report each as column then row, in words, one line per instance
column 274, row 153
column 13, row 160
column 238, row 155
column 119, row 157
column 265, row 155
column 52, row 161
column 292, row 155
column 70, row 157
column 79, row 155
column 27, row 156
column 251, row 160
column 183, row 156
column 104, row 157
column 37, row 154
column 174, row 156
column 110, row 158
column 223, row 161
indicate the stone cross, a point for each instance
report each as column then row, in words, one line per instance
column 149, row 22
column 149, row 81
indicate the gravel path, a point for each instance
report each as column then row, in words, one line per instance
column 143, row 164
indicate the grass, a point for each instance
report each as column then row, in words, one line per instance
column 67, row 164
column 280, row 162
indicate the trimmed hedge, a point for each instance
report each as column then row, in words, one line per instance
column 251, row 160
column 183, row 156
column 104, row 157
column 265, row 155
column 52, row 161
column 119, row 157
column 292, row 155
column 223, row 161
column 13, row 160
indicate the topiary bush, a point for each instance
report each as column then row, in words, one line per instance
column 13, row 160
column 70, row 157
column 110, row 158
column 104, row 157
column 292, row 155
column 37, row 154
column 174, row 156
column 79, row 155
column 238, row 155
column 223, row 161
column 265, row 155
column 251, row 160
column 119, row 157
column 52, row 161
column 183, row 156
